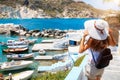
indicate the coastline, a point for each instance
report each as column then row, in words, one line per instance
column 49, row 23
column 36, row 63
column 56, row 27
column 14, row 37
column 33, row 32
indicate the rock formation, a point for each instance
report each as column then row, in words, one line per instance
column 47, row 9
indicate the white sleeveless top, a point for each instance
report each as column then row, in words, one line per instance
column 95, row 53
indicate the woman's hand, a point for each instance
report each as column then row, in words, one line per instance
column 110, row 31
column 85, row 33
column 83, row 46
column 112, row 41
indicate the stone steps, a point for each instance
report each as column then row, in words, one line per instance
column 113, row 68
column 111, row 75
column 112, row 72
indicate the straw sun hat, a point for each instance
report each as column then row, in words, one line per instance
column 97, row 29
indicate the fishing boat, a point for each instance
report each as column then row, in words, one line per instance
column 17, row 44
column 15, row 50
column 29, row 41
column 24, row 75
column 19, row 56
column 14, row 65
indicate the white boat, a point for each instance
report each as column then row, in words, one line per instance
column 32, row 41
column 29, row 41
column 47, row 57
column 59, row 44
column 25, row 75
column 17, row 44
column 42, row 52
column 49, row 40
column 14, row 65
column 59, row 66
column 20, row 56
column 59, row 56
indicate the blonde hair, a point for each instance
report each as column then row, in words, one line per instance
column 98, row 45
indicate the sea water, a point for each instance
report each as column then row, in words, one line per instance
column 42, row 23
column 48, row 23
column 4, row 39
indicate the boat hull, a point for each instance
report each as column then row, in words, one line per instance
column 16, row 50
column 25, row 75
column 14, row 66
column 20, row 56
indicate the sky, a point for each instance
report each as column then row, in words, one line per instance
column 103, row 5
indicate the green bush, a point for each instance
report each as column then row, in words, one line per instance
column 79, row 60
column 58, row 75
column 52, row 76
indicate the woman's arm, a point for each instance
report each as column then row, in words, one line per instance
column 111, row 39
column 83, row 46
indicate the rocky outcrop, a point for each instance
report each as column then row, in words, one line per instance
column 12, row 29
column 72, row 12
column 21, row 12
column 46, row 33
column 47, row 9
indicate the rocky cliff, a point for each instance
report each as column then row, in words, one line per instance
column 47, row 9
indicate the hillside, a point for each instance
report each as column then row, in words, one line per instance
column 47, row 9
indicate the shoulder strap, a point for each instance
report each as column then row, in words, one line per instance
column 93, row 56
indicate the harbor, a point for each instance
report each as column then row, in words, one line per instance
column 48, row 51
column 48, row 55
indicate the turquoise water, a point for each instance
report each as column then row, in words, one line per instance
column 31, row 24
column 34, row 66
column 4, row 39
column 49, row 23
column 42, row 23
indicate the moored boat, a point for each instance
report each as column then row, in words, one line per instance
column 14, row 65
column 25, row 75
column 42, row 52
column 17, row 44
column 20, row 56
column 15, row 50
column 29, row 41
